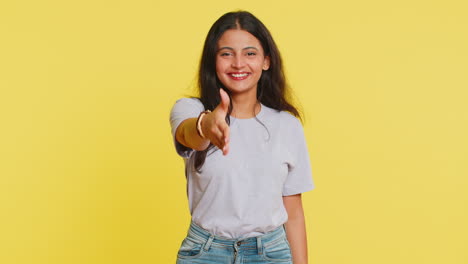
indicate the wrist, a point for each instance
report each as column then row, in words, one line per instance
column 198, row 126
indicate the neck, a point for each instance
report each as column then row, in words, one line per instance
column 245, row 105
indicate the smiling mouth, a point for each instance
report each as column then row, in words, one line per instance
column 239, row 76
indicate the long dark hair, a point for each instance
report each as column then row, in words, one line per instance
column 272, row 90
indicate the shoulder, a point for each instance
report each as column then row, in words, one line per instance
column 188, row 104
column 290, row 119
column 185, row 108
column 189, row 101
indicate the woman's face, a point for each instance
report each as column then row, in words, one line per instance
column 239, row 61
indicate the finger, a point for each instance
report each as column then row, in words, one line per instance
column 226, row 149
column 217, row 138
column 224, row 100
column 226, row 132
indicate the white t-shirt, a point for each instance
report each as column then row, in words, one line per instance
column 240, row 195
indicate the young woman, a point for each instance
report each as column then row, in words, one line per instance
column 245, row 153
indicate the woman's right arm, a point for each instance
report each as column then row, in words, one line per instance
column 213, row 125
column 186, row 134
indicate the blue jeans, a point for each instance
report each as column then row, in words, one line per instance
column 202, row 247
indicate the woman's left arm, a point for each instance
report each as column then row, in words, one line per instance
column 295, row 228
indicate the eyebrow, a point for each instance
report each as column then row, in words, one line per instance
column 229, row 48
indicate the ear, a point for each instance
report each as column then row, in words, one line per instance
column 266, row 63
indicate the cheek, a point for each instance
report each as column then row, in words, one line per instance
column 257, row 63
column 220, row 67
column 219, row 73
column 258, row 66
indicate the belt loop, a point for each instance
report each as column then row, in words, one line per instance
column 208, row 243
column 259, row 246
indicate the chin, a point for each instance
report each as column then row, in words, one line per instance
column 239, row 88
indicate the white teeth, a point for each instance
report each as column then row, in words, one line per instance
column 239, row 75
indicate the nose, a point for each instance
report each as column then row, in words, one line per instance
column 238, row 62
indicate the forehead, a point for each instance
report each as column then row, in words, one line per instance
column 238, row 38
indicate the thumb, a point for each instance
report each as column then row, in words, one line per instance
column 225, row 100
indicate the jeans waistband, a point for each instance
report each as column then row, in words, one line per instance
column 257, row 242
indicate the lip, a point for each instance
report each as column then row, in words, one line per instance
column 238, row 76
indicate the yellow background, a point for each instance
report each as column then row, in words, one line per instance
column 88, row 172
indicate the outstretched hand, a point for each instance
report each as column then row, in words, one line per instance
column 214, row 125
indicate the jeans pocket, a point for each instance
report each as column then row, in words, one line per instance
column 278, row 251
column 190, row 248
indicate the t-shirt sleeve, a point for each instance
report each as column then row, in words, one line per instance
column 183, row 109
column 299, row 177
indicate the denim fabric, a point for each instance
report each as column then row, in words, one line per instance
column 204, row 248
